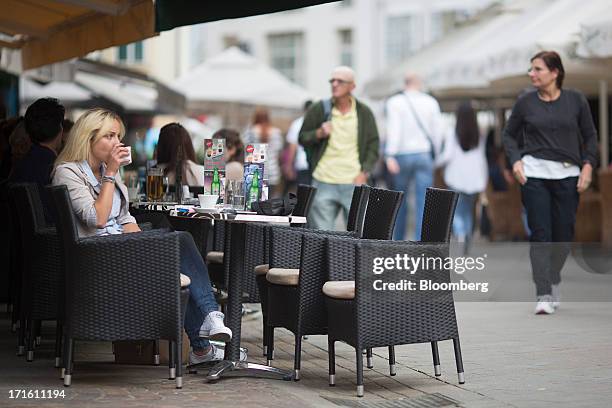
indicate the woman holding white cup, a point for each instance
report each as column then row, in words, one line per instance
column 89, row 166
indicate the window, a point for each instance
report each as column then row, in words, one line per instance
column 346, row 47
column 402, row 38
column 131, row 53
column 442, row 23
column 286, row 55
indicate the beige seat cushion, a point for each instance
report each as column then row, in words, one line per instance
column 340, row 289
column 214, row 257
column 185, row 281
column 262, row 269
column 282, row 276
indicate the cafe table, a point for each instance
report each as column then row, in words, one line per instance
column 235, row 242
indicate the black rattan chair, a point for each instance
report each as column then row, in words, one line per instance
column 355, row 223
column 297, row 303
column 366, row 318
column 437, row 223
column 120, row 287
column 305, row 195
column 43, row 274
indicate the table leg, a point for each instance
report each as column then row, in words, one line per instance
column 232, row 366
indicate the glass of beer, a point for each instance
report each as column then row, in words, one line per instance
column 155, row 184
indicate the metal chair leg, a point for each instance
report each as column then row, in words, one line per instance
column 369, row 358
column 392, row 360
column 270, row 351
column 68, row 356
column 31, row 340
column 58, row 343
column 436, row 358
column 38, row 327
column 21, row 337
column 171, row 361
column 331, row 355
column 156, row 354
column 359, row 372
column 297, row 357
column 459, row 361
column 179, row 362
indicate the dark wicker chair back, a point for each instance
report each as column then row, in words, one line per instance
column 305, row 195
column 359, row 204
column 5, row 245
column 438, row 214
column 381, row 213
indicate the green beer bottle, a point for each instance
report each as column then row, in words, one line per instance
column 254, row 190
column 215, row 186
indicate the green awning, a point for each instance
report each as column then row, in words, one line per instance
column 170, row 14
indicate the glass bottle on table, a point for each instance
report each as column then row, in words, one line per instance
column 215, row 186
column 254, row 190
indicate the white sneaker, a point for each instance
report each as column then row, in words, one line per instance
column 544, row 305
column 213, row 328
column 556, row 296
column 215, row 354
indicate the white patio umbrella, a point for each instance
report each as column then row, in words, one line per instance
column 236, row 77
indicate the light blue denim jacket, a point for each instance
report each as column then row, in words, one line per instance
column 84, row 189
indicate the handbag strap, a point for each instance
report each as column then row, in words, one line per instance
column 419, row 123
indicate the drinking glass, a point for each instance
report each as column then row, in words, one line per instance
column 234, row 194
column 155, row 184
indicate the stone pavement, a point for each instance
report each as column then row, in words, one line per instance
column 512, row 358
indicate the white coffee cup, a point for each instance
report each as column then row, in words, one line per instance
column 208, row 200
column 127, row 159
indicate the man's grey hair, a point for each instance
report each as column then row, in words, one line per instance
column 347, row 71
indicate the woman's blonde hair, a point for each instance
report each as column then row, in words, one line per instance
column 85, row 132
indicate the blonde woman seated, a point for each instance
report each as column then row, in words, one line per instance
column 89, row 166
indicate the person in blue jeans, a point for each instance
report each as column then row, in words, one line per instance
column 88, row 166
column 413, row 136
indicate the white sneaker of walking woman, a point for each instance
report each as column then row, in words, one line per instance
column 544, row 305
column 213, row 328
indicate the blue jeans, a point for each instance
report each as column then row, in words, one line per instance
column 463, row 222
column 551, row 207
column 417, row 168
column 329, row 200
column 201, row 298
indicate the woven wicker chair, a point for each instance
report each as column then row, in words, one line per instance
column 297, row 303
column 305, row 195
column 120, row 287
column 436, row 227
column 356, row 216
column 43, row 274
column 365, row 318
column 14, row 277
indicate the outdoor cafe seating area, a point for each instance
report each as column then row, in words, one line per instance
column 309, row 282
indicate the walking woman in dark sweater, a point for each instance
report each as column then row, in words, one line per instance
column 551, row 141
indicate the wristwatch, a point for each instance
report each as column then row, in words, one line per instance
column 108, row 179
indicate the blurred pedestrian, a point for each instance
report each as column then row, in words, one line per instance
column 553, row 163
column 262, row 131
column 297, row 164
column 466, row 169
column 414, row 132
column 234, row 153
column 341, row 140
column 172, row 138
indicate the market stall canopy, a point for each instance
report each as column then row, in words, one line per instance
column 234, row 76
column 489, row 57
column 170, row 14
column 596, row 38
column 48, row 31
column 67, row 92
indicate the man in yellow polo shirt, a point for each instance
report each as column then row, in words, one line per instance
column 341, row 143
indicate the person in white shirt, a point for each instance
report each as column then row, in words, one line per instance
column 413, row 136
column 297, row 155
column 466, row 169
